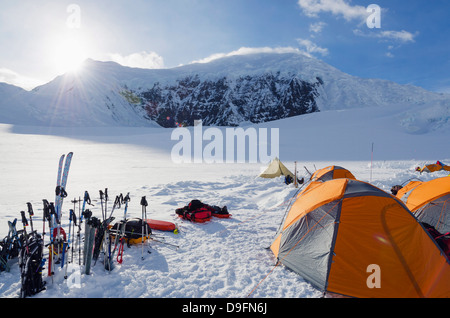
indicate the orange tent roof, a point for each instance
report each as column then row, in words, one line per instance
column 348, row 237
column 331, row 172
column 429, row 201
column 416, row 193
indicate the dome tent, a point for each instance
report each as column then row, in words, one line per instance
column 336, row 230
column 429, row 201
column 331, row 172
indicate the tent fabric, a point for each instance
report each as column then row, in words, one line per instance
column 336, row 230
column 275, row 169
column 405, row 191
column 429, row 201
column 332, row 172
column 438, row 166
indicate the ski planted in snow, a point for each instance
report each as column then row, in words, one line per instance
column 58, row 244
column 92, row 224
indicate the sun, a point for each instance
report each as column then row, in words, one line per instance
column 69, row 55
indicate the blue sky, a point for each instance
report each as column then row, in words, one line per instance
column 42, row 39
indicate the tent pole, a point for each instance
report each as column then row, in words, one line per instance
column 371, row 164
column 295, row 175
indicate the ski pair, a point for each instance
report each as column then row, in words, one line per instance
column 58, row 244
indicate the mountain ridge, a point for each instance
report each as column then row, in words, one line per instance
column 229, row 91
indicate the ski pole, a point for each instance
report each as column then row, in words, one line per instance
column 51, row 221
column 45, row 217
column 31, row 213
column 162, row 242
column 118, row 236
column 67, row 245
column 74, row 219
column 144, row 218
column 117, row 202
column 77, row 224
column 25, row 224
column 106, row 201
column 101, row 202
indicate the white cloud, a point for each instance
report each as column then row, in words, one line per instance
column 398, row 36
column 402, row 36
column 336, row 7
column 249, row 50
column 317, row 27
column 10, row 77
column 312, row 48
column 140, row 60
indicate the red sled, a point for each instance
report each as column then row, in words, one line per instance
column 221, row 215
column 197, row 211
column 161, row 225
column 200, row 215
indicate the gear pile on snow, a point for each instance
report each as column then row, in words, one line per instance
column 103, row 240
column 197, row 211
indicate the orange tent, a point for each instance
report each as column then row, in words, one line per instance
column 331, row 172
column 429, row 201
column 350, row 238
column 438, row 166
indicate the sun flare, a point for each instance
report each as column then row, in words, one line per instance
column 70, row 54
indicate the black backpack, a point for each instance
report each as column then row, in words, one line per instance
column 31, row 264
column 133, row 229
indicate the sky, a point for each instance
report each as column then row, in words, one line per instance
column 407, row 42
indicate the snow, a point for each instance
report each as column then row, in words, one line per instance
column 224, row 258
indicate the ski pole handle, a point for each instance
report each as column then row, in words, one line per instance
column 31, row 213
column 46, row 209
column 144, row 201
column 87, row 198
column 30, row 209
column 74, row 218
column 118, row 201
column 24, row 219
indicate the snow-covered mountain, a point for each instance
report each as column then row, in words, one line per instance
column 229, row 91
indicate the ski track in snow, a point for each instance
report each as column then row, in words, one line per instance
column 224, row 258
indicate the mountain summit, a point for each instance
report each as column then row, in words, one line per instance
column 228, row 91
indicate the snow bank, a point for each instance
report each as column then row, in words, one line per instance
column 225, row 258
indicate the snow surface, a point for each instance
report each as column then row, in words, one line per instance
column 224, row 258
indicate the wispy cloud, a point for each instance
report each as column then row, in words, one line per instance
column 10, row 77
column 317, row 27
column 336, row 7
column 311, row 47
column 249, row 50
column 142, row 59
column 397, row 36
